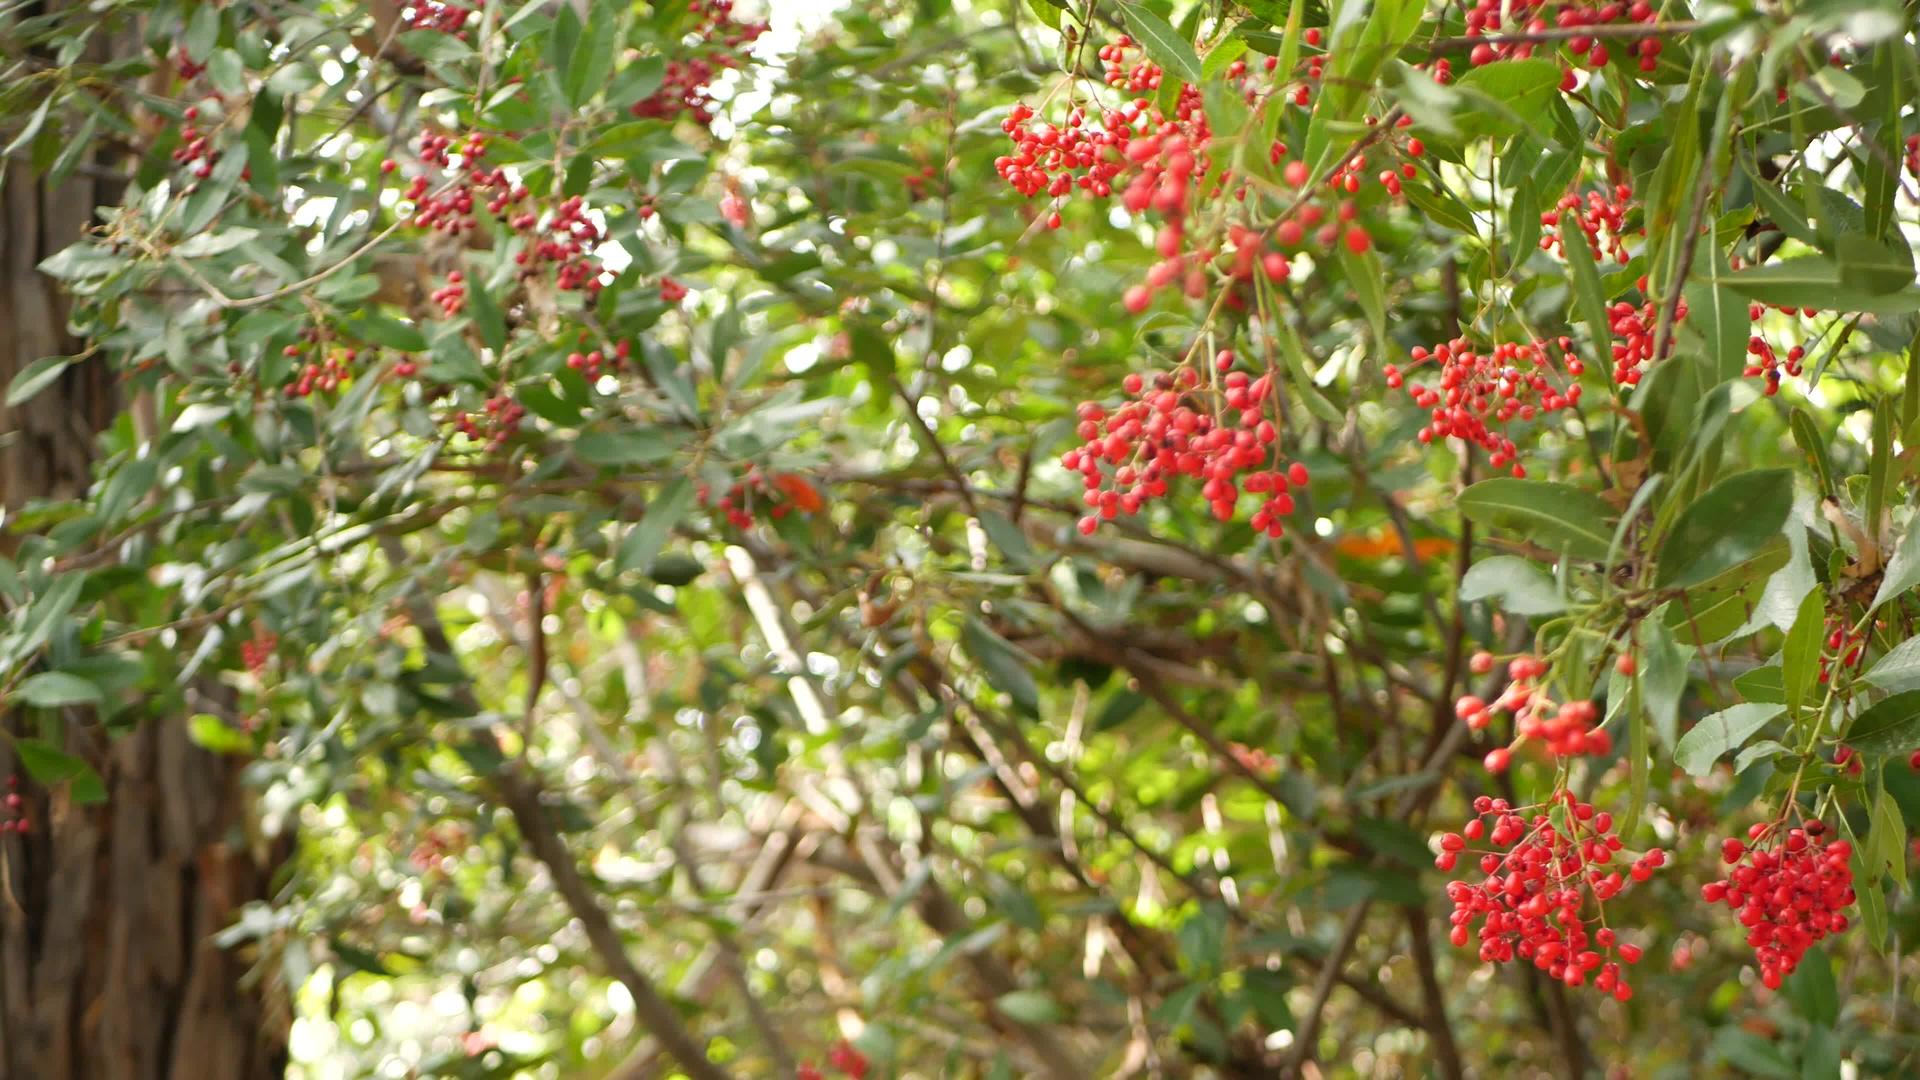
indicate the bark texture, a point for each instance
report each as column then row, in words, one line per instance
column 108, row 970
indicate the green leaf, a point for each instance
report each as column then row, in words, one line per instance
column 381, row 330
column 1800, row 656
column 1369, row 280
column 1903, row 570
column 1553, row 515
column 203, row 30
column 48, row 765
column 1221, row 57
column 1663, row 677
column 640, row 446
column 1812, row 990
column 1521, row 586
column 213, row 734
column 643, row 542
column 1899, row 669
column 1871, row 266
column 563, row 39
column 593, row 60
column 1806, row 435
column 1727, row 526
column 488, row 321
column 1720, row 318
column 1721, row 732
column 1780, row 210
column 1163, row 44
column 1891, row 726
column 1006, row 666
column 51, row 606
column 1590, row 297
column 1525, row 85
column 35, row 377
column 1006, row 536
column 1300, row 375
column 1887, row 839
column 1813, row 281
column 1762, row 684
column 52, row 689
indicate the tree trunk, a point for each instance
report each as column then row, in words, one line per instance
column 108, row 970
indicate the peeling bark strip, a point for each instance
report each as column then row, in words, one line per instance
column 108, row 970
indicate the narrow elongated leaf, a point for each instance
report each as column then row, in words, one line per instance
column 1899, row 669
column 643, row 542
column 1369, row 281
column 35, row 377
column 1663, row 677
column 50, row 689
column 1727, row 526
column 1590, row 298
column 1891, row 726
column 1800, row 656
column 1903, row 570
column 46, row 764
column 1521, row 587
column 641, row 446
column 1553, row 515
column 1720, row 733
column 1163, row 44
column 1887, row 839
column 1806, row 435
column 1006, row 668
column 1813, row 281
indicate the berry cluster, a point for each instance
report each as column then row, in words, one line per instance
column 1788, row 890
column 257, row 652
column 326, row 367
column 434, row 15
column 562, row 236
column 590, row 364
column 1602, row 216
column 718, row 43
column 15, row 819
column 1493, row 18
column 1567, row 730
column 452, row 297
column 1539, row 874
column 1170, row 428
column 498, row 421
column 843, row 1057
column 1479, row 394
column 1253, row 758
column 1846, row 646
column 1161, row 163
column 756, row 492
column 194, row 149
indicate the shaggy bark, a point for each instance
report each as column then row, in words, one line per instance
column 108, row 970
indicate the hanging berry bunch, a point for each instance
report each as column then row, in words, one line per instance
column 1547, row 875
column 1177, row 425
column 13, row 819
column 1494, row 19
column 715, row 43
column 1480, row 394
column 1788, row 889
column 760, row 493
column 1564, row 730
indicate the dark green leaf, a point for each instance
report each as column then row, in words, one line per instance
column 1006, row 667
column 1554, row 515
column 1727, row 526
column 51, row 689
column 643, row 542
column 1721, row 732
